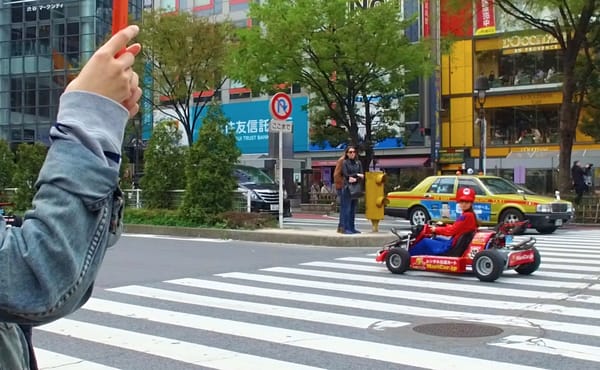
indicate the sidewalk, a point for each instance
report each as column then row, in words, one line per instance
column 322, row 236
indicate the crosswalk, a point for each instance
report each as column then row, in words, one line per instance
column 344, row 313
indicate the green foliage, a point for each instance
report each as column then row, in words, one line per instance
column 187, row 55
column 209, row 170
column 163, row 217
column 250, row 221
column 337, row 55
column 164, row 167
column 7, row 165
column 29, row 163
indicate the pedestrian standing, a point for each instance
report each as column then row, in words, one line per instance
column 353, row 173
column 338, row 180
column 577, row 177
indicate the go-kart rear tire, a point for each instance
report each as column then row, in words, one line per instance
column 418, row 216
column 397, row 260
column 488, row 265
column 530, row 268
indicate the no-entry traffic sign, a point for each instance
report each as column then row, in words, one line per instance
column 280, row 106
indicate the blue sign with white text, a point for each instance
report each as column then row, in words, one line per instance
column 250, row 121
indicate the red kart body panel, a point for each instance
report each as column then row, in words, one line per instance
column 514, row 258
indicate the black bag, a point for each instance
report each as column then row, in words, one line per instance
column 355, row 189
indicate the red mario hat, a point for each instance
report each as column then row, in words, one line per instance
column 465, row 194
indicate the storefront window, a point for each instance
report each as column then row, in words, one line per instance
column 506, row 68
column 524, row 125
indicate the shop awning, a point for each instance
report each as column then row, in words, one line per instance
column 402, row 162
column 325, row 163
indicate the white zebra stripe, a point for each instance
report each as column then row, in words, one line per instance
column 499, row 319
column 191, row 353
column 507, row 277
column 301, row 339
column 549, row 346
column 48, row 360
column 260, row 308
column 420, row 296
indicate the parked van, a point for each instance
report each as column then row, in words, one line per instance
column 264, row 191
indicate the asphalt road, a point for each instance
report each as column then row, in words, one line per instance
column 174, row 303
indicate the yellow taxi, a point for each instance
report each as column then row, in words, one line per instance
column 497, row 200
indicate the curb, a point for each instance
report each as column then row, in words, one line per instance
column 285, row 236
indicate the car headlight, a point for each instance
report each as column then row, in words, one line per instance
column 570, row 207
column 544, row 208
column 253, row 195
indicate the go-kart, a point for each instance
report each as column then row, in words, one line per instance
column 485, row 252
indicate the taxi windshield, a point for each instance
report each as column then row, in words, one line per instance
column 498, row 185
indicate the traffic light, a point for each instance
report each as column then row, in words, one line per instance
column 375, row 199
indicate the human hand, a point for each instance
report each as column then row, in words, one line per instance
column 351, row 180
column 110, row 76
column 360, row 175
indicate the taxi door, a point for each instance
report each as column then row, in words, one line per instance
column 439, row 199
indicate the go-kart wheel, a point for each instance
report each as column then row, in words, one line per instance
column 418, row 216
column 397, row 260
column 488, row 265
column 546, row 230
column 511, row 216
column 529, row 268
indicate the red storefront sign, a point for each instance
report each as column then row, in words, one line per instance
column 486, row 22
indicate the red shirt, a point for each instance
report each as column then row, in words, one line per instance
column 465, row 223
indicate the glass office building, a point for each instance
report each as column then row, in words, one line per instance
column 43, row 44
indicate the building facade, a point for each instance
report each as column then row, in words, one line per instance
column 521, row 107
column 43, row 44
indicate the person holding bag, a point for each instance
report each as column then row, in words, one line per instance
column 353, row 189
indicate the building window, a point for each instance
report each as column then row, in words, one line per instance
column 523, row 125
column 505, row 68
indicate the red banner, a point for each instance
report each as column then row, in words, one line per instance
column 426, row 23
column 486, row 22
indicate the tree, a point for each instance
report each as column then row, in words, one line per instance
column 29, row 163
column 164, row 167
column 7, row 165
column 340, row 55
column 574, row 24
column 183, row 57
column 210, row 170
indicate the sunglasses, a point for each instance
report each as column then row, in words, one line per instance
column 351, row 151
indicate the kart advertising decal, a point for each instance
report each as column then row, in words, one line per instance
column 442, row 210
column 520, row 258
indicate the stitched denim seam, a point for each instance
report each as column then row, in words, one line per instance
column 87, row 262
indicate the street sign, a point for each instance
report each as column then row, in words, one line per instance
column 280, row 126
column 280, row 106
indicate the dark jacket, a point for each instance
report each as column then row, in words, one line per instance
column 351, row 168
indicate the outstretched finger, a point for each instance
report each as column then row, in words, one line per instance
column 120, row 40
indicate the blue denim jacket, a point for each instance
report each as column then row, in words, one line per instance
column 48, row 266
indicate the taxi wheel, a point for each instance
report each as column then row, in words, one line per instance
column 511, row 216
column 418, row 216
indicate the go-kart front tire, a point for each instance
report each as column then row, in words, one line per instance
column 397, row 260
column 530, row 268
column 488, row 265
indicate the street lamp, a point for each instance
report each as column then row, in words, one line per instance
column 481, row 86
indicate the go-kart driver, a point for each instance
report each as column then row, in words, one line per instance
column 446, row 236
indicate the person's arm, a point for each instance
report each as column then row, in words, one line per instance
column 464, row 223
column 48, row 265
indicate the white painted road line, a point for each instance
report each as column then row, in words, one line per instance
column 296, row 338
column 353, row 321
column 48, row 360
column 549, row 346
column 191, row 353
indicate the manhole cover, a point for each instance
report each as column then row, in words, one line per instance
column 458, row 330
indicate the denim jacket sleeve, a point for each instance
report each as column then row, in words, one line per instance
column 48, row 266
